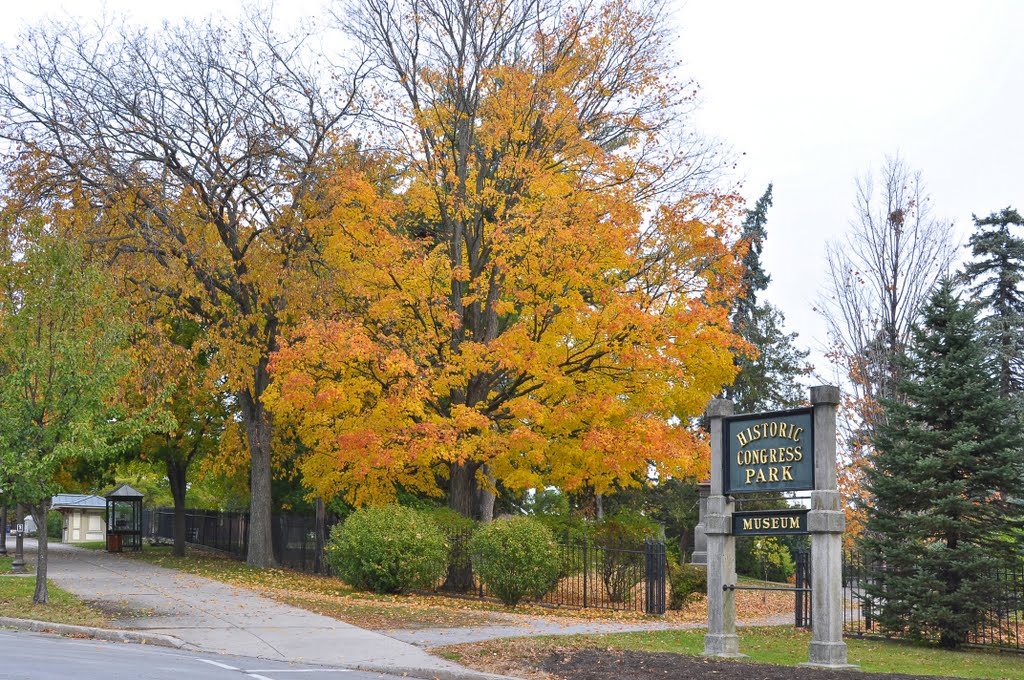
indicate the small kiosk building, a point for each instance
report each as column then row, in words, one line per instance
column 82, row 515
column 124, row 519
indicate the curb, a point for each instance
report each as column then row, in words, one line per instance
column 431, row 674
column 107, row 634
column 161, row 640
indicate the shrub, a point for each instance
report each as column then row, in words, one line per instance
column 622, row 556
column 515, row 558
column 388, row 550
column 687, row 582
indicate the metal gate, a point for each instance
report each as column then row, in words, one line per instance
column 802, row 601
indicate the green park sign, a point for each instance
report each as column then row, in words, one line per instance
column 769, row 452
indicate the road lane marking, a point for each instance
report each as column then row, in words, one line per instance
column 259, row 677
column 219, row 665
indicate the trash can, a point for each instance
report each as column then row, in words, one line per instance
column 113, row 542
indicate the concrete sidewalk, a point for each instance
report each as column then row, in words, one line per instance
column 211, row 616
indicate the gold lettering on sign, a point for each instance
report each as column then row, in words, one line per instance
column 769, row 464
column 769, row 429
column 785, row 523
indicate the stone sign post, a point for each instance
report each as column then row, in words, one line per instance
column 791, row 450
column 720, row 639
column 826, row 523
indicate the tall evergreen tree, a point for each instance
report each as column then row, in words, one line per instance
column 995, row 277
column 769, row 379
column 948, row 456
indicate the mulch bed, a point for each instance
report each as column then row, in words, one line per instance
column 596, row 664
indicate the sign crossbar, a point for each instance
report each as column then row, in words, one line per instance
column 786, row 589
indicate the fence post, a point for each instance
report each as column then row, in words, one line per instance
column 802, row 602
column 585, row 561
column 305, row 543
column 663, row 571
column 654, row 577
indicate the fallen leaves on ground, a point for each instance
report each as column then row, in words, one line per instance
column 515, row 657
column 332, row 597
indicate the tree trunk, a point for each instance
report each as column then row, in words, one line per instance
column 41, row 511
column 462, row 489
column 3, row 530
column 487, row 499
column 176, row 477
column 256, row 420
column 599, row 505
column 462, row 497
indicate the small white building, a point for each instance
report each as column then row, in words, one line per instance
column 83, row 517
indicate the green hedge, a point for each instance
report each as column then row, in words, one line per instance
column 515, row 558
column 388, row 550
column 687, row 583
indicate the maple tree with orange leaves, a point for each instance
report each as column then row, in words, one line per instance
column 539, row 295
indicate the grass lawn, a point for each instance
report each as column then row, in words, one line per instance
column 16, row 602
column 779, row 645
column 92, row 545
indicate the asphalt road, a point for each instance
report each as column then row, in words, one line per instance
column 33, row 656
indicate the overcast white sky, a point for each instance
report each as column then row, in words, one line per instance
column 812, row 94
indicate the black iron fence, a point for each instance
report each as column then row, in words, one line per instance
column 1001, row 625
column 623, row 576
column 294, row 536
column 627, row 576
column 802, row 584
column 615, row 576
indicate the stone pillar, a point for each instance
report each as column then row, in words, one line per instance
column 700, row 537
column 826, row 523
column 18, row 563
column 720, row 639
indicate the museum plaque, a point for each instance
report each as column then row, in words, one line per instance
column 769, row 523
